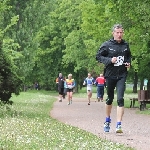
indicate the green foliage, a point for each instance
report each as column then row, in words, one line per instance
column 134, row 17
column 45, row 37
column 10, row 82
column 135, row 22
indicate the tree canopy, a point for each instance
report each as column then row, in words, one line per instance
column 44, row 37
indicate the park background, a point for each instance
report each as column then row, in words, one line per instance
column 39, row 39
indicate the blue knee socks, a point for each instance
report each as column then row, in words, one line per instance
column 108, row 119
column 118, row 123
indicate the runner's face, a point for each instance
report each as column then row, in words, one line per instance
column 118, row 34
column 89, row 75
column 60, row 75
column 69, row 77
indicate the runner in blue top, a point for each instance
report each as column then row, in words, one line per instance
column 89, row 81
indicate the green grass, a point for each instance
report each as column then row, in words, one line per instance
column 26, row 125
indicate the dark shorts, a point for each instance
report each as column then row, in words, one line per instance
column 61, row 91
column 69, row 90
column 120, row 88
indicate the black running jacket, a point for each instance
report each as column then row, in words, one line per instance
column 111, row 49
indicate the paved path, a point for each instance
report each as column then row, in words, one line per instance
column 91, row 118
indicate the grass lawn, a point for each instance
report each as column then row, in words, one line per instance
column 26, row 125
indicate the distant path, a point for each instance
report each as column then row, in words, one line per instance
column 91, row 118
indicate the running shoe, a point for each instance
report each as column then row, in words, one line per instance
column 106, row 126
column 89, row 103
column 60, row 100
column 118, row 129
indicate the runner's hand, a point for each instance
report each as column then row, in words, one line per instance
column 114, row 59
column 127, row 65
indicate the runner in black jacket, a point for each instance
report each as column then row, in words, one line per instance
column 60, row 84
column 116, row 56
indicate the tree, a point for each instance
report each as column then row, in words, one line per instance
column 10, row 82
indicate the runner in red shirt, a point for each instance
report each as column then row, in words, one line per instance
column 100, row 82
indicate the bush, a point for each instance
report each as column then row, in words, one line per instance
column 9, row 80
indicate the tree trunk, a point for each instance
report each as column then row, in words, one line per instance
column 76, row 88
column 135, row 82
column 148, row 85
column 24, row 88
column 142, row 84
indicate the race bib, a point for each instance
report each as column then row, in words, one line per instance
column 70, row 86
column 119, row 61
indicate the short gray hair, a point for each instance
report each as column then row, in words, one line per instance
column 117, row 26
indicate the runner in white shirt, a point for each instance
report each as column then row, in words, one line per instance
column 89, row 81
